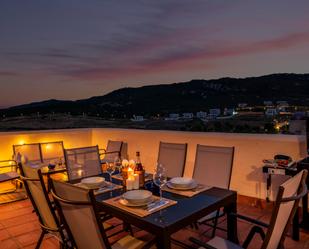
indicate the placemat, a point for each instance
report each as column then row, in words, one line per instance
column 143, row 210
column 106, row 187
column 188, row 193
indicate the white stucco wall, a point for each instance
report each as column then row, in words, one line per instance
column 250, row 149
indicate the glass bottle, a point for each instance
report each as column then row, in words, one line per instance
column 139, row 169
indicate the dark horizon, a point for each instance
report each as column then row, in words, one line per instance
column 170, row 83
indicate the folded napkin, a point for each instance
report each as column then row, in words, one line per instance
column 106, row 187
column 142, row 211
column 188, row 193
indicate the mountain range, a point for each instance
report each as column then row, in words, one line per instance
column 191, row 96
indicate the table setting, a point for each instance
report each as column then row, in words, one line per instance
column 98, row 184
column 184, row 186
column 140, row 202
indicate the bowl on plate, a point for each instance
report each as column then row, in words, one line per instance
column 181, row 182
column 93, row 182
column 138, row 197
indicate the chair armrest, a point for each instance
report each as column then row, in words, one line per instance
column 202, row 244
column 110, row 152
column 254, row 221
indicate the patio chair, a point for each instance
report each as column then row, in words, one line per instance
column 30, row 151
column 37, row 192
column 9, row 173
column 113, row 149
column 173, row 158
column 83, row 162
column 287, row 201
column 213, row 166
column 82, row 219
column 52, row 151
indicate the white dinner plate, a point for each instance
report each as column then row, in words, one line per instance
column 129, row 204
column 181, row 182
column 139, row 196
column 188, row 187
column 93, row 182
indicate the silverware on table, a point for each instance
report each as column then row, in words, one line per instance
column 157, row 205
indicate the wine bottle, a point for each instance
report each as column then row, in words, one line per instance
column 139, row 169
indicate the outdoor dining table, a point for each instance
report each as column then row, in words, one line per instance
column 167, row 221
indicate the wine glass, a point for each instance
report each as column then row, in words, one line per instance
column 160, row 178
column 110, row 169
column 118, row 163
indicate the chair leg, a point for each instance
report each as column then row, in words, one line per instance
column 215, row 224
column 128, row 228
column 40, row 240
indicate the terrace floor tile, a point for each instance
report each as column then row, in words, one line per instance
column 19, row 228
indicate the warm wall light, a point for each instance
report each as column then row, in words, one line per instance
column 48, row 146
column 21, row 142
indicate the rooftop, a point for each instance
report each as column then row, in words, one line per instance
column 19, row 227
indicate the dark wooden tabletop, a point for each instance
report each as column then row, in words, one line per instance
column 187, row 210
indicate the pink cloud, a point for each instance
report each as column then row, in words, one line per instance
column 185, row 58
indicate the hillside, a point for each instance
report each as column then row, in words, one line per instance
column 192, row 96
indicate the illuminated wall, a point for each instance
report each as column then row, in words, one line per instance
column 250, row 149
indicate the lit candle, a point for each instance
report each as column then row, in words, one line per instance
column 136, row 181
column 130, row 172
column 130, row 183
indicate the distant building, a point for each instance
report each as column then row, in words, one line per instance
column 173, row 116
column 201, row 115
column 271, row 112
column 281, row 102
column 187, row 115
column 137, row 118
column 242, row 105
column 268, row 103
column 229, row 111
column 214, row 112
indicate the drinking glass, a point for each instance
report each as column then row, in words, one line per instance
column 118, row 163
column 110, row 169
column 159, row 177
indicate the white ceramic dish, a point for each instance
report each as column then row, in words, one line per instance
column 129, row 204
column 93, row 182
column 181, row 182
column 137, row 197
column 187, row 187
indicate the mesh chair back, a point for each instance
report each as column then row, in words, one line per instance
column 284, row 210
column 38, row 195
column 81, row 219
column 31, row 151
column 114, row 147
column 83, row 162
column 52, row 151
column 173, row 158
column 213, row 165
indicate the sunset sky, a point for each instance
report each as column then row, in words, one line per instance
column 72, row 49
